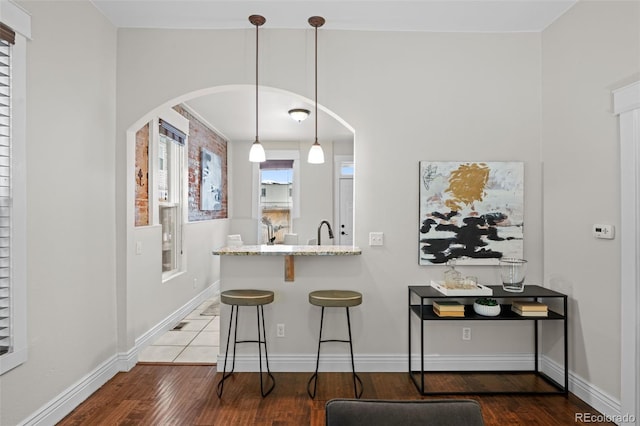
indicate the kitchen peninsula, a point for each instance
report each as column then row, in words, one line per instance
column 289, row 252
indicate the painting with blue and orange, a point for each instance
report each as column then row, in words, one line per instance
column 470, row 212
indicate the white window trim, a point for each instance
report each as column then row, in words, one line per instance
column 627, row 107
column 20, row 22
column 255, row 193
column 181, row 123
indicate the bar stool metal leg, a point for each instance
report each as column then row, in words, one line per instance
column 314, row 377
column 353, row 365
column 262, row 339
column 225, row 375
column 260, row 313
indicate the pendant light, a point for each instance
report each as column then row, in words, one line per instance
column 256, row 154
column 316, row 156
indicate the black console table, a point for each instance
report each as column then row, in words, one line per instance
column 420, row 305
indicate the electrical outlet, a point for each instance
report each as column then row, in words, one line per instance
column 376, row 238
column 466, row 333
column 280, row 330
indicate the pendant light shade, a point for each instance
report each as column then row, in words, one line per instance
column 256, row 154
column 316, row 155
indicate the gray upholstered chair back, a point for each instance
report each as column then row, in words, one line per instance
column 371, row 412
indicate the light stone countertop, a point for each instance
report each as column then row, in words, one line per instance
column 288, row 250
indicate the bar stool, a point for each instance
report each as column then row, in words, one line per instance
column 335, row 299
column 237, row 298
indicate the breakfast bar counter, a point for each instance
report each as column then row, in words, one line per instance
column 288, row 251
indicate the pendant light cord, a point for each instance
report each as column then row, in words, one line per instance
column 316, row 84
column 315, row 22
column 257, row 26
column 257, row 20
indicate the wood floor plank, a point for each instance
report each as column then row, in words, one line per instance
column 185, row 395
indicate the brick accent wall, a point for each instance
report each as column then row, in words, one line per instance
column 201, row 136
column 142, row 176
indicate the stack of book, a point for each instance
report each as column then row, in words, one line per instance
column 448, row 308
column 528, row 308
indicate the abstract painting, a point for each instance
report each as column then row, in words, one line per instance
column 211, row 183
column 470, row 212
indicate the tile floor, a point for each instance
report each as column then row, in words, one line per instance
column 196, row 342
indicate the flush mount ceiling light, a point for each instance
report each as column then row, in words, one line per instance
column 316, row 155
column 256, row 154
column 299, row 114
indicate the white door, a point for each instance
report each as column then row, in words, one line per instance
column 345, row 220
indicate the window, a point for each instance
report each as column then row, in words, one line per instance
column 170, row 191
column 13, row 332
column 276, row 199
column 276, row 205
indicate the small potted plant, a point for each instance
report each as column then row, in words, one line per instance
column 486, row 306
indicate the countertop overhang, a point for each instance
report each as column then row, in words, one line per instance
column 289, row 252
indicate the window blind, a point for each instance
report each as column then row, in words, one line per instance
column 7, row 37
column 276, row 165
column 172, row 133
column 7, row 34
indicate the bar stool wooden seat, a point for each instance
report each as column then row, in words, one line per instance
column 335, row 299
column 237, row 298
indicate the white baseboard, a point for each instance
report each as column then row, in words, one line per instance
column 56, row 409
column 594, row 396
column 63, row 404
column 383, row 363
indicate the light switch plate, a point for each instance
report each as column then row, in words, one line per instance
column 376, row 238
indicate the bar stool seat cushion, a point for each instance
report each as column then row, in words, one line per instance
column 335, row 298
column 246, row 297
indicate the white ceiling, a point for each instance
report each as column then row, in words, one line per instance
column 221, row 109
column 377, row 15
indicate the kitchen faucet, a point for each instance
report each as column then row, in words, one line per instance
column 328, row 227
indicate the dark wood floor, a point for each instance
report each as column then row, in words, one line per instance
column 185, row 395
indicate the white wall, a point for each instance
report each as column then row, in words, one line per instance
column 408, row 96
column 149, row 300
column 592, row 49
column 440, row 97
column 72, row 319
